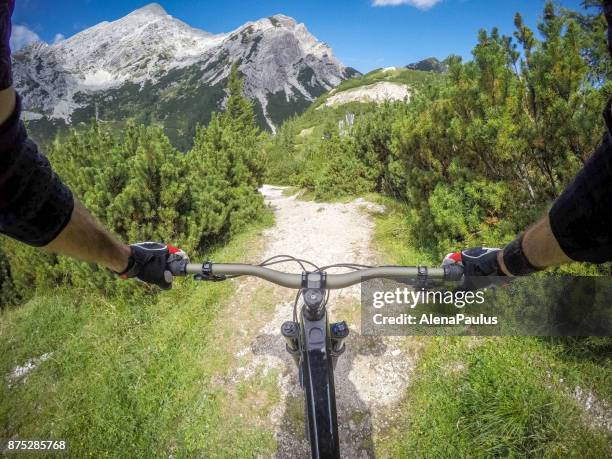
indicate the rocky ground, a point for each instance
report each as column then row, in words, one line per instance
column 372, row 375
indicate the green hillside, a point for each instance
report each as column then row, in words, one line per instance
column 431, row 64
column 297, row 146
column 312, row 123
column 413, row 78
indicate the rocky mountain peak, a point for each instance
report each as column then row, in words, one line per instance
column 280, row 20
column 278, row 57
column 154, row 9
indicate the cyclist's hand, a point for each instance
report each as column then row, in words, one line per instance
column 149, row 263
column 479, row 265
column 6, row 11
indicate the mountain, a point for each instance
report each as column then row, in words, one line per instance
column 430, row 64
column 155, row 68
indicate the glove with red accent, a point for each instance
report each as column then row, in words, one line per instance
column 149, row 263
column 479, row 265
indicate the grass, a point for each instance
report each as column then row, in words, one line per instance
column 494, row 398
column 392, row 235
column 497, row 397
column 294, row 416
column 129, row 380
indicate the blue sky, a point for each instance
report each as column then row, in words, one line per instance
column 362, row 34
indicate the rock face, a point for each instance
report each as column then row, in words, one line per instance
column 149, row 63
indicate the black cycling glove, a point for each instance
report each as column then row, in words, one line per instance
column 479, row 265
column 149, row 263
column 481, row 261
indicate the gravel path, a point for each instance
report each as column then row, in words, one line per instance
column 372, row 375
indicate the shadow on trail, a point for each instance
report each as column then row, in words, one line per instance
column 354, row 415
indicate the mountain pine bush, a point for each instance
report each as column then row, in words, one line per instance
column 344, row 174
column 488, row 150
column 141, row 188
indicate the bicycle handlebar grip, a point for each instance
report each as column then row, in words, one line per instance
column 453, row 273
column 178, row 267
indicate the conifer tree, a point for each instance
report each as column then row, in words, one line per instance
column 226, row 163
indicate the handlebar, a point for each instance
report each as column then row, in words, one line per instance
column 218, row 271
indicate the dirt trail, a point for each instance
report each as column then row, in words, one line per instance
column 372, row 375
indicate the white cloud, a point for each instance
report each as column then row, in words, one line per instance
column 21, row 36
column 58, row 37
column 420, row 4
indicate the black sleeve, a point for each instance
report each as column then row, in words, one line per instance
column 581, row 218
column 6, row 11
column 35, row 206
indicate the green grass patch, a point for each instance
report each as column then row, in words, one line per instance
column 127, row 380
column 392, row 234
column 496, row 397
column 290, row 191
column 293, row 419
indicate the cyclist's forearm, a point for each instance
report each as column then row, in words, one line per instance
column 37, row 208
column 85, row 239
column 540, row 247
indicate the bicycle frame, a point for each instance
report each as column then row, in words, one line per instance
column 317, row 369
column 317, row 374
column 315, row 348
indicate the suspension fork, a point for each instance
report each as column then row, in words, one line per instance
column 338, row 331
column 291, row 332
